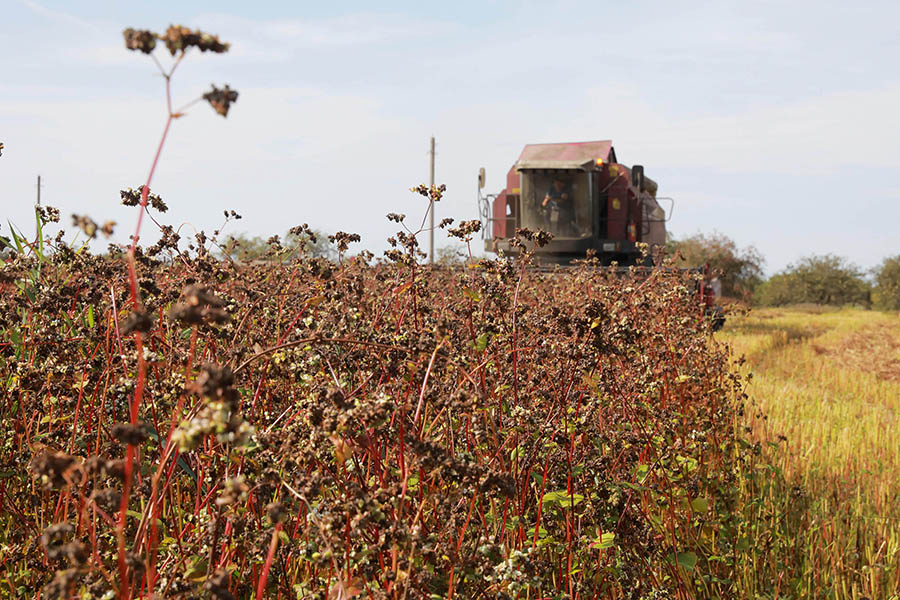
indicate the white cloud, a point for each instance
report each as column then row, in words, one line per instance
column 281, row 39
column 60, row 16
column 835, row 130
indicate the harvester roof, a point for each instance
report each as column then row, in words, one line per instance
column 576, row 155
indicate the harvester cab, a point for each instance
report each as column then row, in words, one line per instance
column 581, row 194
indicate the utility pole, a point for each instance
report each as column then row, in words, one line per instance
column 431, row 208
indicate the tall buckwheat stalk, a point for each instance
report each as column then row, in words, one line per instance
column 177, row 40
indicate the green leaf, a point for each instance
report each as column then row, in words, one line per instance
column 700, row 505
column 687, row 462
column 16, row 238
column 605, row 541
column 481, row 342
column 197, row 570
column 471, row 295
column 90, row 316
column 688, row 560
column 40, row 235
column 641, row 472
column 562, row 498
column 139, row 516
column 542, row 533
column 633, row 486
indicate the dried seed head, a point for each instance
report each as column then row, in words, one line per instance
column 85, row 224
column 107, row 228
column 179, row 38
column 53, row 541
column 465, row 229
column 93, row 465
column 48, row 214
column 134, row 560
column 156, row 202
column 114, row 468
column 235, row 491
column 55, row 534
column 343, row 239
column 221, row 99
column 132, row 435
column 276, row 513
column 217, row 586
column 200, row 306
column 433, row 193
column 137, row 321
column 140, row 39
column 213, row 380
column 55, row 469
column 75, row 552
column 108, row 499
column 132, row 197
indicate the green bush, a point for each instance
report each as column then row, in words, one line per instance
column 887, row 284
column 827, row 279
column 739, row 269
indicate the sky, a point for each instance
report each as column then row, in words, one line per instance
column 775, row 123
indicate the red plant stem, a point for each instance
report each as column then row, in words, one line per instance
column 462, row 532
column 273, row 545
column 515, row 340
column 125, row 588
column 145, row 191
column 87, row 359
column 425, row 383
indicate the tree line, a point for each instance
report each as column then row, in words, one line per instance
column 816, row 279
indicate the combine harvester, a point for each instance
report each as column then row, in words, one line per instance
column 589, row 201
column 581, row 194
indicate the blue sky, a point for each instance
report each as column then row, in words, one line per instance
column 772, row 122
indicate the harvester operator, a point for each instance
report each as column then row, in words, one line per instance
column 562, row 209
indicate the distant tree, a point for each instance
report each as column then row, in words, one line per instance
column 451, row 255
column 887, row 284
column 315, row 245
column 245, row 248
column 827, row 279
column 740, row 269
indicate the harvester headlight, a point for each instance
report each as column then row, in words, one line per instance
column 599, row 162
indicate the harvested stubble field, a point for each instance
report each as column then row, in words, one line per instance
column 828, row 381
column 313, row 430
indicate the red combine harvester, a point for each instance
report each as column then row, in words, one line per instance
column 581, row 194
column 589, row 201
